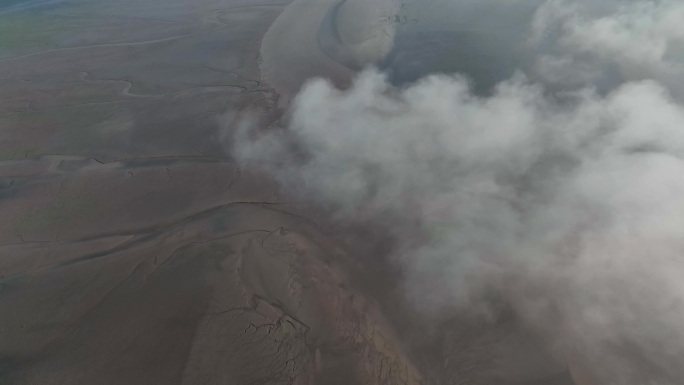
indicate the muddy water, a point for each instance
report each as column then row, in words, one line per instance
column 483, row 40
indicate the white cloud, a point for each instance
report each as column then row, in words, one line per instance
column 637, row 39
column 569, row 205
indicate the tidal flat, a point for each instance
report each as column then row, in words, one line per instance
column 135, row 250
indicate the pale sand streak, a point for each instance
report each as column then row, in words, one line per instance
column 290, row 52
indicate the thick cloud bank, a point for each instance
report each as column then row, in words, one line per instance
column 610, row 41
column 568, row 204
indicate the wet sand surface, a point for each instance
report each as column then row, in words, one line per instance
column 134, row 251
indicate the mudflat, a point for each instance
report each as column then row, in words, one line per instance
column 134, row 250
